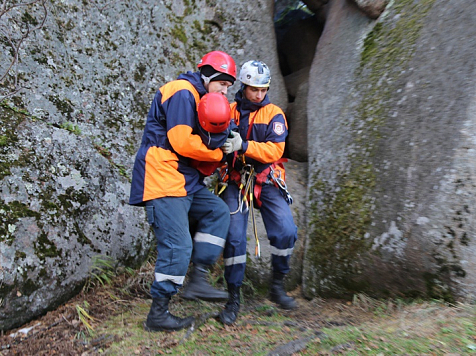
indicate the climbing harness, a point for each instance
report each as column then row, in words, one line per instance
column 281, row 185
column 222, row 179
column 244, row 179
column 274, row 175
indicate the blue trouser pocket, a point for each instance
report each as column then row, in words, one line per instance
column 150, row 214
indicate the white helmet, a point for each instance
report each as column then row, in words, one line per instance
column 255, row 74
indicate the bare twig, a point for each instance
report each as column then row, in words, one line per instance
column 14, row 29
column 69, row 323
column 195, row 325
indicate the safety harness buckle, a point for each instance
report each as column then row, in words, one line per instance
column 281, row 185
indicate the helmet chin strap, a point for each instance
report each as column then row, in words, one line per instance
column 206, row 80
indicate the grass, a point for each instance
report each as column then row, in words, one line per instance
column 419, row 329
column 254, row 336
column 338, row 327
column 84, row 316
column 107, row 318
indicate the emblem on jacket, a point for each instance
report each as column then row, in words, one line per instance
column 278, row 128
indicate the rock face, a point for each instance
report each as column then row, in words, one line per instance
column 297, row 34
column 372, row 8
column 63, row 206
column 76, row 86
column 392, row 152
column 390, row 105
column 296, row 114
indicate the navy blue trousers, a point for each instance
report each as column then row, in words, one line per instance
column 280, row 228
column 169, row 218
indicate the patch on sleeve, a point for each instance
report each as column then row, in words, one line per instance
column 278, row 128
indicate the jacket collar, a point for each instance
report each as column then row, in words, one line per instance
column 195, row 79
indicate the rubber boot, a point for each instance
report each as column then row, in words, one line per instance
column 232, row 307
column 199, row 288
column 277, row 293
column 160, row 319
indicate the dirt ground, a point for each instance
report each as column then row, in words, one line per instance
column 62, row 332
column 56, row 333
column 117, row 309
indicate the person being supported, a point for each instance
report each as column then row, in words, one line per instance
column 214, row 128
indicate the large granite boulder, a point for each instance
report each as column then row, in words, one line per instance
column 76, row 86
column 392, row 152
column 63, row 207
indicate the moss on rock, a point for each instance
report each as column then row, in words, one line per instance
column 10, row 213
column 341, row 214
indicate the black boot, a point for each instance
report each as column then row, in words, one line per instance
column 159, row 318
column 232, row 307
column 199, row 288
column 278, row 295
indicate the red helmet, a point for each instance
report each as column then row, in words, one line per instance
column 220, row 61
column 214, row 112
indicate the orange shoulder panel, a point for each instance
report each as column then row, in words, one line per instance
column 169, row 89
column 267, row 113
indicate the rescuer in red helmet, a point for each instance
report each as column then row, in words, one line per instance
column 172, row 190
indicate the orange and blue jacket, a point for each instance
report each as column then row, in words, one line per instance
column 263, row 128
column 169, row 142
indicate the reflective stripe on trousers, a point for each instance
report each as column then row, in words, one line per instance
column 280, row 228
column 169, row 218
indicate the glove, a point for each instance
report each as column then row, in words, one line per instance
column 232, row 144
